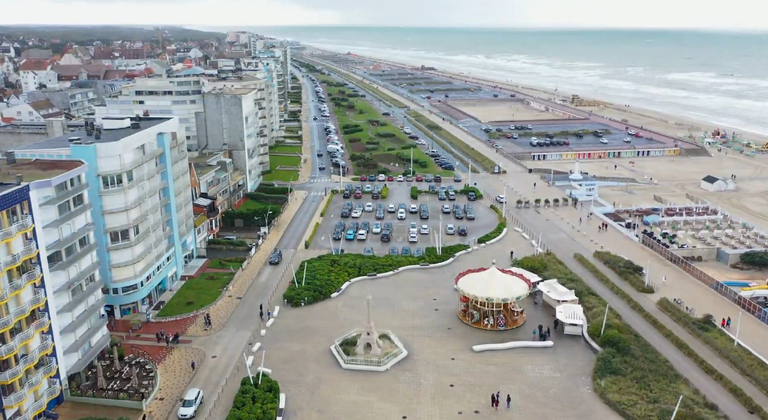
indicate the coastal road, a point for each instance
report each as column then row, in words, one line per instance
column 562, row 243
column 224, row 348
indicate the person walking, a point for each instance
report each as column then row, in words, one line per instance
column 193, row 366
column 511, row 255
column 728, row 323
column 509, row 401
column 534, row 185
column 664, row 280
column 167, row 341
column 493, row 399
column 722, row 323
column 557, row 322
column 269, row 315
column 547, row 332
column 261, row 315
column 157, row 336
column 579, row 221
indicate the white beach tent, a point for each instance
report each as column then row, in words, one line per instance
column 572, row 317
column 556, row 294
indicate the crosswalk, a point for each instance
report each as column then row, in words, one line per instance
column 320, row 180
column 316, row 193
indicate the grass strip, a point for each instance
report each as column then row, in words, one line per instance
column 312, row 235
column 732, row 388
column 624, row 268
column 630, row 375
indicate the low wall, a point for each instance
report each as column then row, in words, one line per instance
column 706, row 254
column 134, row 405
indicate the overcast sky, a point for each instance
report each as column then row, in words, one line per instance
column 701, row 14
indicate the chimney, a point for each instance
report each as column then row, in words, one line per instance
column 19, row 179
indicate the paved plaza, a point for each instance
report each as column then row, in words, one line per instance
column 442, row 378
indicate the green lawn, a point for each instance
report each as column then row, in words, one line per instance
column 285, row 176
column 249, row 205
column 275, row 161
column 226, row 264
column 285, row 149
column 196, row 293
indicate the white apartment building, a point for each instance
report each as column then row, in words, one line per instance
column 138, row 185
column 32, row 79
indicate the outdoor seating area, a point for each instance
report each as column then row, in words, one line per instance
column 134, row 378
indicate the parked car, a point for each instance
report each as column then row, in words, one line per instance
column 413, row 209
column 376, row 228
column 393, row 250
column 382, row 177
column 386, row 235
column 418, row 252
column 276, row 257
column 391, row 208
column 462, row 230
column 413, row 237
column 401, row 215
column 350, row 236
column 457, row 178
column 406, row 250
column 368, row 207
column 424, row 230
column 193, row 399
column 368, row 251
column 450, row 229
column 446, row 209
column 471, row 196
column 362, row 235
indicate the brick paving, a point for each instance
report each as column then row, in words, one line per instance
column 175, row 374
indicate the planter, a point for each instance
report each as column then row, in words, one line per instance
column 537, row 202
column 527, row 204
column 565, row 201
column 556, row 202
column 519, row 204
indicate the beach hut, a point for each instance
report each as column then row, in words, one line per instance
column 713, row 184
column 572, row 317
column 556, row 294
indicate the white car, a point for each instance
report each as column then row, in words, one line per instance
column 424, row 230
column 382, row 177
column 413, row 237
column 446, row 209
column 368, row 207
column 631, row 132
column 391, row 208
column 421, row 142
column 400, row 214
column 413, row 209
column 362, row 235
column 407, row 130
column 191, row 402
column 604, row 140
column 512, row 127
column 413, row 228
column 627, row 139
column 356, row 213
column 450, row 229
column 400, row 178
column 501, row 199
column 497, row 146
column 281, row 407
column 376, row 228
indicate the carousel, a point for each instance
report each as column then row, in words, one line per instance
column 488, row 297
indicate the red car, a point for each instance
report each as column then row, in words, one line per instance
column 363, row 178
column 639, row 135
column 358, row 194
column 390, row 178
column 509, row 136
column 419, row 178
column 567, row 142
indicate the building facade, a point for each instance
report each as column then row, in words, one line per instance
column 138, row 185
column 77, row 102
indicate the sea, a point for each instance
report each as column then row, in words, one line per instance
column 717, row 78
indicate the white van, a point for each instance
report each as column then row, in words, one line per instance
column 334, row 148
column 407, row 130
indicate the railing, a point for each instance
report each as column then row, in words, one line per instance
column 26, row 335
column 17, row 397
column 365, row 361
column 23, row 224
column 19, row 284
column 15, row 259
column 38, row 406
column 21, row 311
column 744, row 303
column 30, row 359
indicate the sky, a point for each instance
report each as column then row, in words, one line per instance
column 688, row 14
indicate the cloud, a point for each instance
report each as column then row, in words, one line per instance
column 701, row 14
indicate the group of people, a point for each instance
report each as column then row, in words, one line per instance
column 603, row 227
column 726, row 323
column 496, row 398
column 544, row 334
column 261, row 313
column 169, row 339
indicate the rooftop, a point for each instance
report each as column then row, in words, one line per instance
column 33, row 170
column 201, row 165
column 107, row 135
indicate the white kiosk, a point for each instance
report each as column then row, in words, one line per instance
column 556, row 294
column 572, row 317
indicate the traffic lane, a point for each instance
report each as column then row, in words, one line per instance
column 313, row 131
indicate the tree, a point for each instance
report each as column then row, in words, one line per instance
column 755, row 258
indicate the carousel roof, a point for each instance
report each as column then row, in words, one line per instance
column 493, row 284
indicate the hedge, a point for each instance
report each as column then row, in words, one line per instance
column 225, row 243
column 385, row 134
column 327, row 203
column 268, row 198
column 497, row 230
column 707, row 331
column 466, row 190
column 384, row 193
column 626, row 269
column 250, row 218
column 312, row 235
column 734, row 389
column 254, row 401
column 414, row 193
column 327, row 273
column 272, row 190
column 630, row 375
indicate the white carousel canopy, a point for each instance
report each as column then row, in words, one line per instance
column 493, row 285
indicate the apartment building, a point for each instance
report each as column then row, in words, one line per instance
column 181, row 97
column 138, row 185
column 51, row 288
column 77, row 102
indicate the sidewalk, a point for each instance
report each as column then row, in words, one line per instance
column 223, row 309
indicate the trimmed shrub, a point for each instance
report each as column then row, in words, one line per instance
column 268, row 198
column 254, row 401
column 414, row 193
column 272, row 190
column 626, row 269
column 354, row 139
column 497, row 230
column 385, row 134
column 755, row 258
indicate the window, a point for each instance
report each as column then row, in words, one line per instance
column 115, row 291
column 70, row 251
column 129, row 176
column 119, row 236
column 109, row 182
column 75, row 181
column 84, row 241
column 89, row 280
column 78, row 200
column 138, row 102
column 55, row 258
column 129, row 289
column 181, row 102
column 60, row 188
column 136, row 231
column 63, row 208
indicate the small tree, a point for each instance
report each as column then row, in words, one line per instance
column 546, row 202
column 519, row 203
column 556, row 202
column 755, row 258
column 537, row 202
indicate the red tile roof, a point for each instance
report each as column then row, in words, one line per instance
column 35, row 64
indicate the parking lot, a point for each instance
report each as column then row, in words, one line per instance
column 399, row 192
column 614, row 137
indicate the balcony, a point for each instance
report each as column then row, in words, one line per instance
column 63, row 265
column 8, row 350
column 89, row 291
column 65, row 195
column 83, row 316
column 91, row 354
column 24, row 224
column 55, row 223
column 27, row 361
column 179, row 156
column 13, row 260
column 19, row 284
column 69, row 239
column 87, row 335
column 38, row 406
column 49, row 367
column 82, row 275
column 37, row 300
column 138, row 258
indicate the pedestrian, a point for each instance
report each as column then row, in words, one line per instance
column 167, row 341
column 261, row 307
column 498, row 396
column 509, row 400
column 269, row 315
column 157, row 336
column 144, row 417
column 261, row 315
column 615, row 167
column 162, row 332
column 193, row 366
column 534, row 185
column 728, row 323
column 722, row 323
column 511, row 255
column 557, row 322
column 493, row 399
column 664, row 280
column 547, row 332
column 579, row 221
